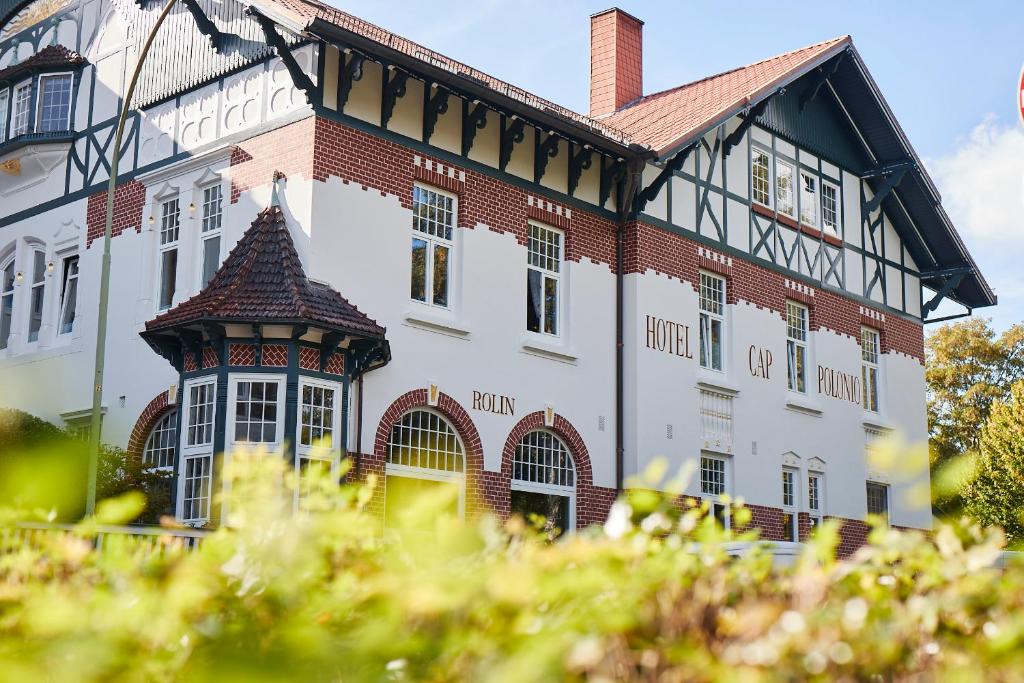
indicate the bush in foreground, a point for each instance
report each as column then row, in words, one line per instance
column 653, row 596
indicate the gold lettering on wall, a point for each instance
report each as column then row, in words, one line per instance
column 760, row 362
column 489, row 402
column 841, row 385
column 670, row 337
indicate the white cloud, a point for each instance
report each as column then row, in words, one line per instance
column 982, row 186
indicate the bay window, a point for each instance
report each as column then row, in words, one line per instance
column 760, row 176
column 712, row 320
column 317, row 440
column 211, row 232
column 54, row 103
column 870, row 346
column 195, row 482
column 797, row 328
column 37, row 293
column 257, row 413
column 433, row 226
column 784, row 198
column 543, row 275
column 21, row 113
column 170, row 216
column 808, row 200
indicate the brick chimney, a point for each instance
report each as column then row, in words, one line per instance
column 616, row 60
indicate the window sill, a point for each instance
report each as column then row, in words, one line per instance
column 875, row 421
column 799, row 403
column 426, row 320
column 536, row 345
column 716, row 381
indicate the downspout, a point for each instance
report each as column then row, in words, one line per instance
column 626, row 211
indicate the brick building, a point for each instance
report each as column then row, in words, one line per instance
column 478, row 288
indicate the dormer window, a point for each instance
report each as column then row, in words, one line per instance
column 54, row 103
column 37, row 94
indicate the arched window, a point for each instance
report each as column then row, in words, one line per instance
column 6, row 300
column 544, row 481
column 425, row 456
column 159, row 450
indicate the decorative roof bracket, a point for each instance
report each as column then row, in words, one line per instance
column 672, row 166
column 395, row 81
column 473, row 120
column 511, row 135
column 821, row 76
column 579, row 162
column 611, row 174
column 948, row 286
column 328, row 345
column 433, row 106
column 352, row 72
column 748, row 120
column 204, row 24
column 274, row 40
column 888, row 186
column 548, row 149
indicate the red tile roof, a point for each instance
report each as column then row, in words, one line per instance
column 662, row 120
column 262, row 281
column 50, row 57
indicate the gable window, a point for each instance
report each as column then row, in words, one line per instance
column 790, row 529
column 712, row 320
column 433, row 223
column 815, row 502
column 830, row 207
column 870, row 345
column 808, row 200
column 36, row 295
column 21, row 115
column 196, row 478
column 714, row 484
column 317, row 440
column 54, row 103
column 159, row 450
column 796, row 346
column 170, row 216
column 68, row 294
column 5, row 95
column 211, row 231
column 760, row 177
column 878, row 500
column 6, row 301
column 784, row 188
column 543, row 274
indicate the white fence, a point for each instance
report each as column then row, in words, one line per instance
column 156, row 539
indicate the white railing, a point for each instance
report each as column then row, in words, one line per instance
column 154, row 538
column 716, row 420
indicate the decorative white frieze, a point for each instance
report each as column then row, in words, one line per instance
column 440, row 169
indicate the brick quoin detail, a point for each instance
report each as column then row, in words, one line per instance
column 156, row 409
column 129, row 202
column 650, row 248
column 592, row 502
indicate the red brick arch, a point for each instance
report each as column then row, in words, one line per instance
column 156, row 409
column 460, row 420
column 592, row 502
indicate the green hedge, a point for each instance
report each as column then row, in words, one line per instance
column 652, row 596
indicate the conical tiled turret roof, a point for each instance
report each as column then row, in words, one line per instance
column 262, row 281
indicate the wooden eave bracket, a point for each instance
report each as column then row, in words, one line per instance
column 205, row 25
column 276, row 41
column 672, row 166
column 473, row 119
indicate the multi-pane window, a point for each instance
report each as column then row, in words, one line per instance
column 211, row 231
column 425, row 440
column 870, row 347
column 317, row 441
column 54, row 103
column 199, row 431
column 784, row 192
column 542, row 458
column 790, row 531
column 878, row 500
column 760, row 176
column 197, row 482
column 713, row 483
column 68, row 294
column 4, row 97
column 815, row 504
column 796, row 346
column 170, row 217
column 712, row 320
column 21, row 113
column 6, row 301
column 808, row 200
column 433, row 223
column 543, row 273
column 36, row 295
column 830, row 207
column 256, row 409
column 159, row 449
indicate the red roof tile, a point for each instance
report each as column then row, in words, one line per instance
column 262, row 281
column 50, row 57
column 663, row 119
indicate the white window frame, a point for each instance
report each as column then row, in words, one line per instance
column 550, row 489
column 793, row 344
column 12, row 294
column 834, row 228
column 230, row 443
column 18, row 89
column 5, row 100
column 431, row 474
column 31, row 286
column 780, row 206
column 810, row 217
column 66, row 280
column 39, row 99
column 546, row 273
column 207, row 235
column 815, row 502
column 311, row 452
column 888, row 499
column 871, row 368
column 706, row 320
column 160, row 426
column 164, row 247
column 188, row 452
column 791, row 485
column 769, row 189
column 432, row 243
column 716, row 498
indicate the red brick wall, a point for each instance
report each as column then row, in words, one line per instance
column 149, row 416
column 129, row 202
column 288, row 149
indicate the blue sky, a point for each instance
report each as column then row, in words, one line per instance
column 947, row 68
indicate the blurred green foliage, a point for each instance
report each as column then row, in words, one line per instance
column 654, row 595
